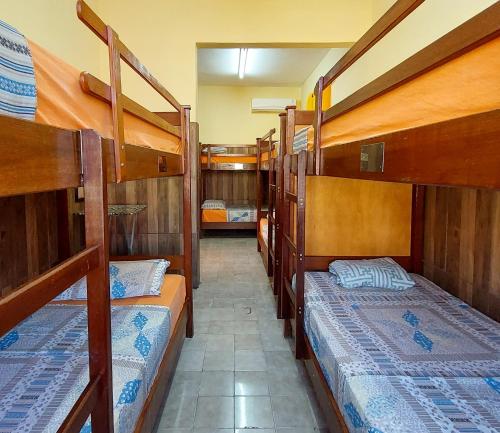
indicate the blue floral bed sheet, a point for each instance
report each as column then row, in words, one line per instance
column 405, row 361
column 44, row 365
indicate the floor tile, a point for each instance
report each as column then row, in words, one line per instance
column 215, row 412
column 281, row 360
column 191, row 360
column 198, row 342
column 249, row 360
column 217, row 383
column 179, row 412
column 247, row 342
column 251, row 383
column 253, row 412
column 217, row 343
column 186, row 383
column 292, row 411
column 219, row 361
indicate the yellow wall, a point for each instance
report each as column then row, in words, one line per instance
column 225, row 114
column 164, row 34
column 428, row 22
column 54, row 25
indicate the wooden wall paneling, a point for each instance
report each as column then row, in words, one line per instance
column 462, row 244
column 230, row 185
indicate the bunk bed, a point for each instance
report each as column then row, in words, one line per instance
column 52, row 144
column 227, row 198
column 381, row 382
column 269, row 156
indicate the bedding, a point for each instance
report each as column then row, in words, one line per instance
column 469, row 84
column 214, row 215
column 215, row 149
column 303, row 139
column 44, row 365
column 229, row 159
column 241, row 213
column 378, row 348
column 382, row 272
column 172, row 296
column 17, row 76
column 127, row 279
column 63, row 103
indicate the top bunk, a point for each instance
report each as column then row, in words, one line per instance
column 433, row 119
column 57, row 102
column 240, row 157
column 267, row 151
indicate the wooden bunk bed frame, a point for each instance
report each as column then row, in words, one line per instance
column 72, row 159
column 232, row 151
column 266, row 250
column 462, row 152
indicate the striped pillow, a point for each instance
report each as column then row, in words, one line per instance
column 127, row 279
column 382, row 273
column 214, row 204
column 17, row 75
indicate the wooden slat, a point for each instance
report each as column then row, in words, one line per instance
column 289, row 290
column 480, row 29
column 304, row 118
column 93, row 86
column 290, row 243
column 32, row 296
column 81, row 410
column 57, row 162
column 397, row 13
column 458, row 152
column 228, row 226
column 290, row 196
column 92, row 21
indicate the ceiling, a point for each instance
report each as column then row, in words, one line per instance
column 264, row 66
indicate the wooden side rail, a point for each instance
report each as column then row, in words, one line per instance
column 82, row 409
column 230, row 152
column 33, row 295
column 113, row 93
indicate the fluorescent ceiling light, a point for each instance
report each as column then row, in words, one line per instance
column 242, row 62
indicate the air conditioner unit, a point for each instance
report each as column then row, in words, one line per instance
column 271, row 104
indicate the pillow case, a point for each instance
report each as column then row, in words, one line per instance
column 214, row 204
column 127, row 279
column 382, row 273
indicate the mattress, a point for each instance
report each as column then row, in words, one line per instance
column 214, row 215
column 464, row 86
column 62, row 103
column 229, row 159
column 414, row 360
column 44, row 365
column 172, row 296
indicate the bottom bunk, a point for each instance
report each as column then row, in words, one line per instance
column 217, row 214
column 400, row 361
column 44, row 361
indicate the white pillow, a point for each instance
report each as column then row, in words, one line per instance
column 214, row 204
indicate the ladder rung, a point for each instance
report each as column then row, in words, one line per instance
column 291, row 196
column 290, row 243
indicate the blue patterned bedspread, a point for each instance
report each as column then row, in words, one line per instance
column 241, row 213
column 44, row 365
column 418, row 360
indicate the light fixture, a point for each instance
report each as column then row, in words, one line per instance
column 242, row 62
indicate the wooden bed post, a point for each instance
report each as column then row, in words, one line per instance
column 98, row 302
column 258, row 190
column 187, row 237
column 278, row 263
column 318, row 118
column 301, row 229
column 285, row 249
column 417, row 228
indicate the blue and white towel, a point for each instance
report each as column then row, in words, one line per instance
column 383, row 273
column 300, row 140
column 127, row 279
column 17, row 75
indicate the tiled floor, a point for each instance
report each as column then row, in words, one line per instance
column 237, row 374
